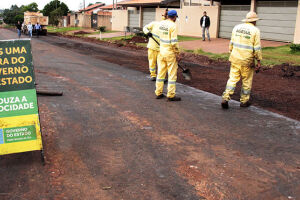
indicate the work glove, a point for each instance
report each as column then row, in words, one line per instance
column 149, row 34
column 178, row 57
column 257, row 67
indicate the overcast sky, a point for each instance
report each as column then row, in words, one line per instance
column 72, row 4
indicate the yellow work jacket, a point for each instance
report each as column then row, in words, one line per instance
column 168, row 38
column 153, row 28
column 245, row 45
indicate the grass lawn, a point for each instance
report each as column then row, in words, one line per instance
column 279, row 55
column 182, row 38
column 52, row 29
column 271, row 55
column 118, row 38
column 141, row 44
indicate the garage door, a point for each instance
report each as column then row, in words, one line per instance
column 148, row 15
column 230, row 16
column 133, row 18
column 278, row 19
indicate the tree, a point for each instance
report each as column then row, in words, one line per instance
column 55, row 15
column 53, row 5
column 13, row 15
column 33, row 7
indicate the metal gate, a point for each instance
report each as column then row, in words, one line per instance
column 278, row 19
column 94, row 20
column 133, row 18
column 231, row 15
column 148, row 15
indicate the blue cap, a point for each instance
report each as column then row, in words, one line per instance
column 172, row 13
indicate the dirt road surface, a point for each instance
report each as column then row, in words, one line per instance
column 108, row 138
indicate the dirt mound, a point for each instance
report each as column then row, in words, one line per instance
column 138, row 39
column 80, row 33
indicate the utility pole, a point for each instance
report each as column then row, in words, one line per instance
column 113, row 4
column 83, row 4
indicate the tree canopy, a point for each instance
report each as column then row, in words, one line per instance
column 53, row 5
column 33, row 7
column 15, row 13
column 55, row 10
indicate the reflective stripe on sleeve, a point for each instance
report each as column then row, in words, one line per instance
column 171, row 82
column 169, row 41
column 242, row 46
column 257, row 48
column 155, row 35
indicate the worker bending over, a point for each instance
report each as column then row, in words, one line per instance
column 167, row 62
column 151, row 30
column 245, row 49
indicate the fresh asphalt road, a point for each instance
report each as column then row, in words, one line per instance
column 108, row 137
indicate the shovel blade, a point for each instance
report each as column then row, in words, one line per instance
column 187, row 74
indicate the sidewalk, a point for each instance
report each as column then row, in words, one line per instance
column 220, row 45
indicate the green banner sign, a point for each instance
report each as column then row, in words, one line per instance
column 16, row 68
column 19, row 120
column 22, row 102
column 19, row 134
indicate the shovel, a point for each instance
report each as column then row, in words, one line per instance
column 186, row 73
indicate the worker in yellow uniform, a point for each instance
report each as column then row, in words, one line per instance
column 151, row 30
column 245, row 48
column 167, row 58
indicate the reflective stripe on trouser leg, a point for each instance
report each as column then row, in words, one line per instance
column 247, row 78
column 234, row 77
column 162, row 70
column 172, row 73
column 152, row 57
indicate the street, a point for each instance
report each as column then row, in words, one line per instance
column 108, row 137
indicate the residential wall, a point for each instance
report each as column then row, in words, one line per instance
column 297, row 27
column 84, row 20
column 72, row 20
column 188, row 21
column 104, row 19
column 253, row 6
column 119, row 20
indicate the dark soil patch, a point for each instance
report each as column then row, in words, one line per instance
column 80, row 33
column 138, row 39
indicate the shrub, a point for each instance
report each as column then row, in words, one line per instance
column 102, row 28
column 295, row 47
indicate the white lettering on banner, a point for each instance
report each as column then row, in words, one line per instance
column 16, row 107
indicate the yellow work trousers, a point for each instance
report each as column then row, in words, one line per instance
column 166, row 64
column 152, row 57
column 237, row 72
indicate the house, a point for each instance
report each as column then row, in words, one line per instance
column 110, row 7
column 86, row 17
column 90, row 9
column 280, row 20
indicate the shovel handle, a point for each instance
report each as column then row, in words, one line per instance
column 183, row 69
column 155, row 40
